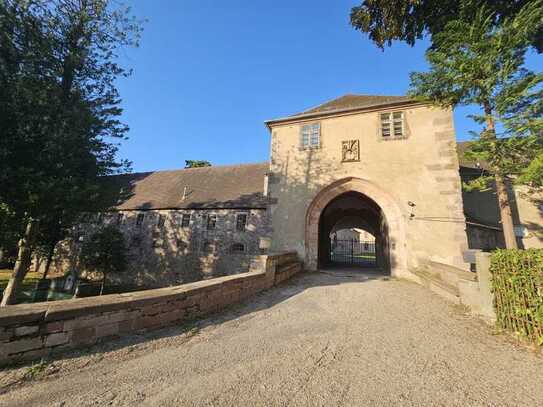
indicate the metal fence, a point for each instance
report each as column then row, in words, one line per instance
column 353, row 252
column 517, row 280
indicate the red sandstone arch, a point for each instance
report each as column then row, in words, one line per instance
column 391, row 212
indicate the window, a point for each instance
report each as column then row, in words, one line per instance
column 139, row 219
column 207, row 246
column 310, row 135
column 119, row 219
column 180, row 243
column 185, row 220
column 211, row 222
column 160, row 220
column 241, row 222
column 238, row 248
column 392, row 125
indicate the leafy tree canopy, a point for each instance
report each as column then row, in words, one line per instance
column 196, row 163
column 410, row 20
column 477, row 62
column 59, row 106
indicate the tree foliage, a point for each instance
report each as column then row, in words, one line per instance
column 59, row 105
column 105, row 252
column 197, row 163
column 59, row 108
column 477, row 62
column 410, row 20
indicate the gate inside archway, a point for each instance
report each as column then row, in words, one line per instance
column 353, row 231
column 354, row 201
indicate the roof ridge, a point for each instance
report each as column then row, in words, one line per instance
column 196, row 168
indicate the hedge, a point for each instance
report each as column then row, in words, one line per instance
column 517, row 281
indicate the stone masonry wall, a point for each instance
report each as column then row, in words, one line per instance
column 32, row 331
column 163, row 251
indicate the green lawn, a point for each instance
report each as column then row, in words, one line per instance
column 5, row 274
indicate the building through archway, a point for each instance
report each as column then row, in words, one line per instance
column 375, row 211
column 353, row 230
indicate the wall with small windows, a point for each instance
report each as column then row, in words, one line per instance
column 177, row 246
column 407, row 151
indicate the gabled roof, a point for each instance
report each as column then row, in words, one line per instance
column 347, row 103
column 235, row 186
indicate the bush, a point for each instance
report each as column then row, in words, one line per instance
column 517, row 280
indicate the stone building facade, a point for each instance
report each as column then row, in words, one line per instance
column 386, row 165
column 185, row 225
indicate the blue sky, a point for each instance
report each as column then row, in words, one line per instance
column 208, row 73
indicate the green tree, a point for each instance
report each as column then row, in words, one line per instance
column 196, row 163
column 478, row 62
column 59, row 110
column 105, row 252
column 410, row 20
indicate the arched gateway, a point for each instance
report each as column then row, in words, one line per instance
column 377, row 211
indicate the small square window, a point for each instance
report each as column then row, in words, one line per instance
column 237, row 248
column 310, row 135
column 392, row 125
column 211, row 222
column 185, row 220
column 139, row 219
column 241, row 222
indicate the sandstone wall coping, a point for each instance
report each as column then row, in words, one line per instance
column 66, row 309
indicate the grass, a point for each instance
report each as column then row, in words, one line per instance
column 30, row 277
column 24, row 294
column 5, row 274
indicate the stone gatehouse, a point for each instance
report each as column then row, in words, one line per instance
column 387, row 165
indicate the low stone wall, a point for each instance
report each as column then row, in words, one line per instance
column 460, row 286
column 478, row 295
column 32, row 331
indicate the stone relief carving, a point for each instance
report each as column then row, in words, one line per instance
column 350, row 151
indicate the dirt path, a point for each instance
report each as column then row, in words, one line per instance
column 320, row 340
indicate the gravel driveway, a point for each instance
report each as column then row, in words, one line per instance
column 322, row 339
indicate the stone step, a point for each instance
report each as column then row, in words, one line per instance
column 449, row 274
column 434, row 282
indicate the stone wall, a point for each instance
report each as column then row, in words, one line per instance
column 164, row 251
column 32, row 331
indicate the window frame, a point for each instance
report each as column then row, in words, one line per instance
column 188, row 218
column 238, row 216
column 140, row 218
column 161, row 220
column 391, row 121
column 209, row 222
column 310, row 133
column 234, row 248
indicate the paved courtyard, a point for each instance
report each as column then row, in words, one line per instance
column 322, row 339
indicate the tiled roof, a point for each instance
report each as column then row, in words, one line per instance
column 346, row 103
column 236, row 186
column 355, row 101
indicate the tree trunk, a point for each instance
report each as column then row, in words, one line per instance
column 22, row 264
column 506, row 214
column 49, row 260
column 103, row 284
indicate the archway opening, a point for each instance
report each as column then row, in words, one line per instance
column 353, row 232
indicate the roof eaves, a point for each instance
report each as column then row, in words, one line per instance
column 312, row 115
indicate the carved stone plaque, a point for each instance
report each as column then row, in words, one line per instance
column 350, row 151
